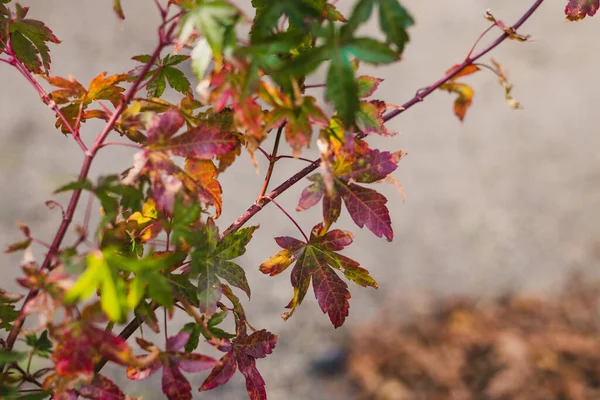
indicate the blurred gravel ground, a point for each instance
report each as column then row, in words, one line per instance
column 508, row 199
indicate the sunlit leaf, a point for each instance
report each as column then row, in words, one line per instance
column 316, row 261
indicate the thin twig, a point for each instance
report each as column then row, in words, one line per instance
column 272, row 161
column 294, row 158
column 318, row 85
column 125, row 144
column 264, row 153
column 286, row 214
column 479, row 39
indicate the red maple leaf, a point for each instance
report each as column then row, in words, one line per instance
column 578, row 9
column 316, row 261
column 242, row 353
column 366, row 206
column 82, row 345
column 174, row 384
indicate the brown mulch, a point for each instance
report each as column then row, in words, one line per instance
column 517, row 348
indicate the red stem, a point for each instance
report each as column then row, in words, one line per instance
column 255, row 208
column 272, row 160
column 286, row 214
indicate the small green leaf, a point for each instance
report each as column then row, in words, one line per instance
column 372, row 51
column 42, row 346
column 11, row 356
column 7, row 315
column 213, row 20
column 26, row 52
column 85, row 185
column 217, row 318
column 394, row 20
column 157, row 85
column 194, row 330
column 159, row 289
column 342, row 88
column 143, row 58
column 177, row 79
column 22, row 245
column 360, row 14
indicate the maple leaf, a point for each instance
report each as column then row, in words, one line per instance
column 463, row 100
column 7, row 309
column 394, row 20
column 203, row 174
column 215, row 20
column 298, row 117
column 465, row 92
column 101, row 388
column 211, row 260
column 242, row 353
column 268, row 14
column 199, row 144
column 29, row 39
column 316, row 261
column 369, row 118
column 50, row 287
column 148, row 225
column 81, row 345
column 164, row 72
column 227, row 86
column 202, row 142
column 367, row 85
column 78, row 98
column 172, row 361
column 100, row 274
column 578, row 9
column 366, row 206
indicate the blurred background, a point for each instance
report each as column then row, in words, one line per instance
column 505, row 201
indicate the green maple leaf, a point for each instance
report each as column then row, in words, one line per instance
column 269, row 12
column 99, row 274
column 394, row 20
column 215, row 20
column 210, row 260
column 341, row 48
column 164, row 72
column 317, row 260
column 29, row 38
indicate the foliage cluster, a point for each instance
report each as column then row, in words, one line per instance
column 158, row 246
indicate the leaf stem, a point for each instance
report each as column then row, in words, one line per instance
column 479, row 39
column 255, row 208
column 294, row 158
column 272, row 161
column 132, row 145
column 287, row 215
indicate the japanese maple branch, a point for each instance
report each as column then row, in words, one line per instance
column 256, row 207
column 165, row 38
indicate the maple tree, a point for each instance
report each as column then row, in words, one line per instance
column 157, row 245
